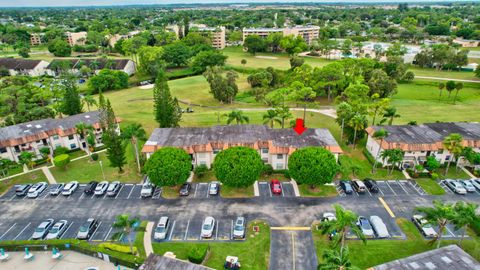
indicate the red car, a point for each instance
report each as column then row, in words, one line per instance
column 276, row 187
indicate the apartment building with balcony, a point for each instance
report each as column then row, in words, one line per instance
column 78, row 38
column 308, row 33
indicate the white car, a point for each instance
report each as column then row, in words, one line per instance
column 147, row 189
column 162, row 228
column 57, row 230
column 69, row 188
column 456, row 186
column 207, row 227
column 328, row 216
column 113, row 188
column 36, row 189
column 42, row 229
column 101, row 188
column 379, row 227
column 366, row 227
column 476, row 183
column 239, row 228
column 424, row 226
column 467, row 184
column 214, row 187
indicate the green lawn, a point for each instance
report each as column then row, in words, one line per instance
column 376, row 252
column 252, row 253
column 431, row 72
column 231, row 192
column 453, row 173
column 28, row 178
column 356, row 162
column 430, row 186
column 208, row 177
column 86, row 170
column 318, row 191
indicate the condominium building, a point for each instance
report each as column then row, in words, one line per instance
column 51, row 133
column 35, row 39
column 308, row 33
column 421, row 141
column 96, row 65
column 216, row 34
column 18, row 66
column 274, row 145
column 78, row 38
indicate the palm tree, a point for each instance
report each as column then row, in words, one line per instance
column 464, row 214
column 82, row 131
column 441, row 86
column 358, row 122
column 26, row 158
column 126, row 226
column 440, row 214
column 453, row 143
column 271, row 117
column 134, row 132
column 237, row 116
column 346, row 221
column 283, row 112
column 393, row 157
column 336, row 259
column 88, row 100
column 380, row 134
column 391, row 113
column 458, row 87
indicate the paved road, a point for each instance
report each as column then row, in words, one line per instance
column 446, row 79
column 19, row 217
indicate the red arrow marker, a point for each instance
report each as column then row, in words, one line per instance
column 299, row 126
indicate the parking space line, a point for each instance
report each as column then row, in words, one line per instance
column 9, row 229
column 81, row 197
column 195, row 194
column 13, row 197
column 131, row 191
column 281, row 189
column 20, row 233
column 379, row 189
column 171, row 230
column 269, row 190
column 290, row 228
column 368, row 192
column 118, row 193
column 208, row 190
column 186, row 231
column 231, row 231
column 96, row 230
column 68, row 228
column 449, row 231
column 394, row 193
column 293, row 251
column 108, row 233
column 216, row 231
column 401, row 185
column 385, row 205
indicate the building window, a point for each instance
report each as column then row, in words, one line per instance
column 201, row 155
column 440, row 151
column 73, row 146
column 265, row 160
column 279, row 166
column 264, row 150
column 17, row 148
column 279, row 156
column 55, row 137
column 422, row 152
column 70, row 137
column 3, row 149
column 216, row 151
column 447, row 158
column 203, row 163
column 38, row 141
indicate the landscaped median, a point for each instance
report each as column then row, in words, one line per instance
column 253, row 253
column 377, row 252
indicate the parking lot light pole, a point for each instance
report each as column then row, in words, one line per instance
column 101, row 167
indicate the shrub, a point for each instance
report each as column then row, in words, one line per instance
column 197, row 254
column 312, row 166
column 60, row 151
column 238, row 166
column 61, row 160
column 94, row 156
column 201, row 170
column 118, row 248
column 267, row 169
column 168, row 166
column 434, row 176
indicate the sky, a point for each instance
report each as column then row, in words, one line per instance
column 43, row 3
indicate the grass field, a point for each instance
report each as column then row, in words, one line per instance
column 430, row 186
column 431, row 72
column 28, row 178
column 252, row 253
column 318, row 191
column 376, row 252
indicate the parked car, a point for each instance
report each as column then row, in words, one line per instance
column 359, row 186
column 87, row 229
column 185, row 189
column 366, row 227
column 347, row 188
column 69, row 188
column 42, row 230
column 239, row 228
column 276, row 187
column 207, row 227
column 162, row 228
column 147, row 189
column 371, row 185
column 57, row 230
column 379, row 227
column 56, row 189
column 36, row 189
column 90, row 188
column 214, row 188
column 328, row 216
column 101, row 188
column 424, row 226
column 113, row 188
column 456, row 186
column 476, row 183
column 467, row 184
column 22, row 190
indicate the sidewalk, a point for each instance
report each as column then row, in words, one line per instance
column 48, row 174
column 147, row 239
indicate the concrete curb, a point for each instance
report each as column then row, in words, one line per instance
column 147, row 238
column 190, row 178
column 405, row 173
column 256, row 192
column 469, row 173
column 295, row 188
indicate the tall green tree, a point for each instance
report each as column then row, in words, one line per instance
column 88, row 101
column 380, row 134
column 393, row 157
column 453, row 144
column 26, row 158
column 440, row 215
column 271, row 117
column 223, row 89
column 302, row 94
column 82, row 130
column 125, row 225
column 441, row 86
column 464, row 215
column 238, row 166
column 168, row 166
column 112, row 139
column 458, row 87
column 358, row 122
column 389, row 114
column 167, row 111
column 336, row 259
column 254, row 44
column 237, row 116
column 71, row 103
column 312, row 166
column 450, row 86
column 133, row 133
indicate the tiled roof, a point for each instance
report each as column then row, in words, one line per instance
column 116, row 64
column 17, row 63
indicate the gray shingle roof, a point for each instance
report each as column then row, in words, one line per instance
column 188, row 136
column 115, row 64
column 18, row 64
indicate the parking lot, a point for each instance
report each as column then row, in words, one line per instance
column 265, row 190
column 388, row 188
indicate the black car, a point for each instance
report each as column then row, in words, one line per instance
column 22, row 190
column 90, row 188
column 371, row 185
column 346, row 186
column 185, row 189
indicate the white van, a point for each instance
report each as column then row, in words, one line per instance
column 359, row 186
column 161, row 229
column 379, row 227
column 147, row 189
